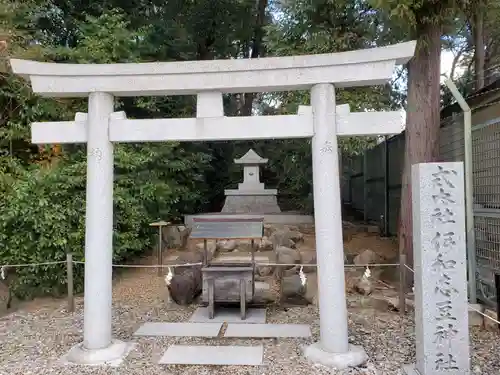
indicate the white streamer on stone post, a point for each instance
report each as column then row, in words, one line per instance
column 302, row 275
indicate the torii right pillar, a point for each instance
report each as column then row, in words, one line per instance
column 333, row 349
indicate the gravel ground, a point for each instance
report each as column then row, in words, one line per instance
column 33, row 339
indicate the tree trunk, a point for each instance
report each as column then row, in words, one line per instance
column 479, row 54
column 258, row 35
column 456, row 59
column 489, row 68
column 422, row 123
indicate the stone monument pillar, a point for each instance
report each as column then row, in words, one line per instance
column 441, row 311
column 251, row 196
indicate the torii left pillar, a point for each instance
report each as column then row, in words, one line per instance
column 98, row 345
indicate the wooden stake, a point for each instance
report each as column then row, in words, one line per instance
column 69, row 276
column 402, row 284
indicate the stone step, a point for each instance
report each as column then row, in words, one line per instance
column 228, row 315
column 213, row 355
column 179, row 329
column 267, row 330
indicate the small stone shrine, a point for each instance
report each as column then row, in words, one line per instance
column 251, row 196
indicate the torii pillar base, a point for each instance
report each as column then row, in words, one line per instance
column 355, row 356
column 113, row 355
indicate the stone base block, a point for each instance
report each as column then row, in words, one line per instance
column 475, row 317
column 356, row 356
column 112, row 356
column 262, row 204
column 410, row 370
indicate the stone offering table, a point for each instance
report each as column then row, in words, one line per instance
column 228, row 282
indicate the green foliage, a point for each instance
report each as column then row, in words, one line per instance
column 43, row 205
column 42, row 218
column 309, row 27
column 42, row 215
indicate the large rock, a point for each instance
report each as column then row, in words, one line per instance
column 286, row 255
column 309, row 257
column 489, row 320
column 246, row 245
column 264, row 271
column 184, row 233
column 367, row 257
column 211, row 248
column 365, row 286
column 186, row 283
column 286, row 238
column 311, row 293
column 269, row 229
column 265, row 244
column 292, row 287
column 175, row 236
column 226, row 245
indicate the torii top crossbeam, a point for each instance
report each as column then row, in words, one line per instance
column 346, row 69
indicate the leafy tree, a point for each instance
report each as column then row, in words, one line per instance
column 319, row 26
column 42, row 213
column 423, row 20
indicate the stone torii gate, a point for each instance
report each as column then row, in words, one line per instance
column 323, row 121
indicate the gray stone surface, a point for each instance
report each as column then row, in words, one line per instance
column 410, row 370
column 179, row 329
column 356, row 356
column 266, row 204
column 228, row 315
column 287, row 218
column 213, row 355
column 475, row 317
column 112, row 356
column 267, row 330
column 441, row 312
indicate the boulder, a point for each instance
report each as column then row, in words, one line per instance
column 175, row 236
column 185, row 287
column 186, row 283
column 264, row 271
column 311, row 294
column 226, row 246
column 390, row 274
column 286, row 255
column 349, row 258
column 489, row 320
column 292, row 287
column 309, row 257
column 269, row 229
column 283, row 238
column 185, row 236
column 365, row 286
column 367, row 257
column 211, row 247
column 246, row 245
column 265, row 244
column 352, row 277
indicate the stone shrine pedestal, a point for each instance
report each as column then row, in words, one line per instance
column 251, row 196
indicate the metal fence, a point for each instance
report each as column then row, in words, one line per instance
column 371, row 184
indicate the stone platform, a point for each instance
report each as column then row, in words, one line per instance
column 243, row 203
